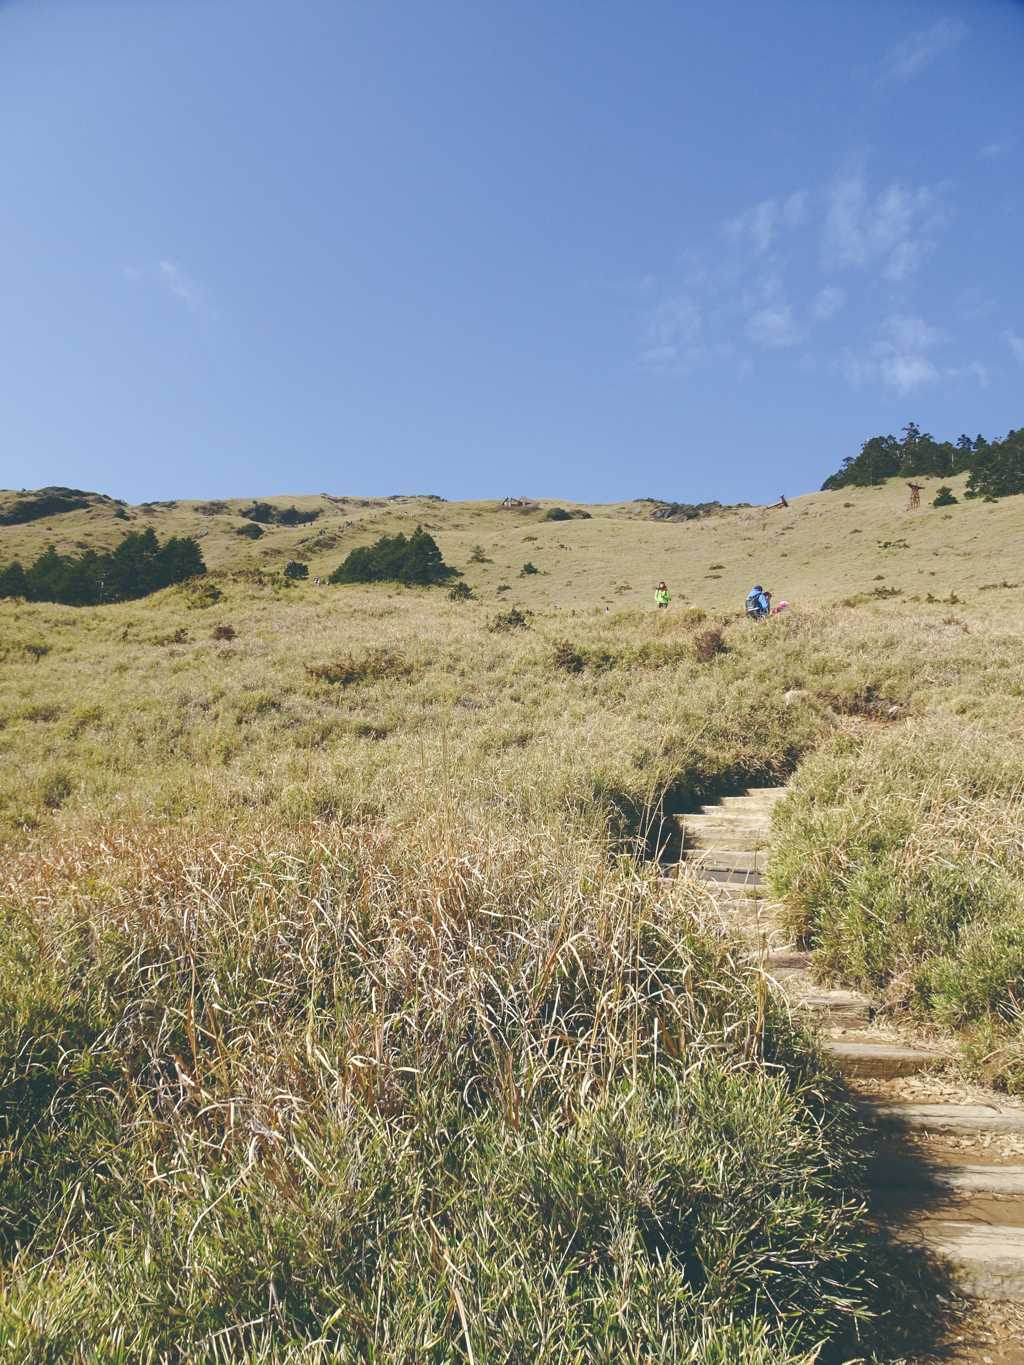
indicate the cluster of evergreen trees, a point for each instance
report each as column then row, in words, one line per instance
column 413, row 559
column 267, row 515
column 995, row 469
column 139, row 565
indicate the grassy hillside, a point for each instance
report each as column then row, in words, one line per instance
column 825, row 546
column 341, row 1015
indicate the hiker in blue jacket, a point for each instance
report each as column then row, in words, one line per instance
column 759, row 602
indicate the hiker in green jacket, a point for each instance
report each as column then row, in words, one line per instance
column 661, row 596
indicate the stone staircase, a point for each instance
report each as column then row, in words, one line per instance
column 945, row 1178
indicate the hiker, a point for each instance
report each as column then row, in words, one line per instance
column 661, row 596
column 316, row 582
column 782, row 606
column 759, row 602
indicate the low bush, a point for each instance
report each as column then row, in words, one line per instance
column 374, row 665
column 295, row 570
column 945, row 497
column 460, row 592
column 224, row 632
column 513, row 619
column 202, row 594
column 709, row 644
column 527, row 569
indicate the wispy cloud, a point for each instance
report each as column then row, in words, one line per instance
column 919, row 50
column 672, row 335
column 773, row 285
column 176, row 282
column 1016, row 345
column 1000, row 146
column 892, row 230
column 761, row 225
column 773, row 328
column 898, row 357
column 828, row 302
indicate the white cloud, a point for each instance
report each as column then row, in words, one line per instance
column 1016, row 345
column 917, row 52
column 828, row 302
column 773, row 328
column 904, row 373
column 892, row 230
column 175, row 281
column 897, row 357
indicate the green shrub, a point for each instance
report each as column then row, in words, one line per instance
column 412, row 560
column 528, row 569
column 945, row 497
column 460, row 592
column 557, row 514
column 295, row 569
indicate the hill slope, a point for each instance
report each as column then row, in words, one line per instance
column 825, row 546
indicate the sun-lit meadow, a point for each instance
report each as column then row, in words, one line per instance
column 345, row 1015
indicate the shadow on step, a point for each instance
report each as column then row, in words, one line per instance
column 921, row 1311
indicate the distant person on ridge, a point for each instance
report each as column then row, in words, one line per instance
column 661, row 596
column 759, row 602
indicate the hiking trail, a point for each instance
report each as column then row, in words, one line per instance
column 945, row 1178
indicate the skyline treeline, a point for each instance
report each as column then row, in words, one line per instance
column 995, row 469
column 138, row 566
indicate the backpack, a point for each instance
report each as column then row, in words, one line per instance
column 756, row 603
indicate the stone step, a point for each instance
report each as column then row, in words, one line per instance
column 986, row 1260
column 967, row 1119
column 740, row 838
column 767, row 793
column 726, row 859
column 884, row 1061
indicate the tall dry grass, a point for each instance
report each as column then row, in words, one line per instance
column 416, row 1092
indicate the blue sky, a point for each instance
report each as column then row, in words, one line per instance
column 596, row 249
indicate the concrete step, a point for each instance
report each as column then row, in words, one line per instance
column 986, row 1260
column 742, row 837
column 884, row 1061
column 726, row 860
column 968, row 1119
